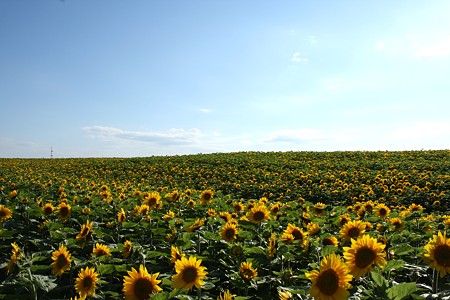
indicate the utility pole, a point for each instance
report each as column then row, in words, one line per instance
column 51, row 152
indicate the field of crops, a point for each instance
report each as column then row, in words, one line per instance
column 248, row 225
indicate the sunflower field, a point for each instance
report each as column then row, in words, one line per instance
column 245, row 225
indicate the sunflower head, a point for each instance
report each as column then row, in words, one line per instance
column 47, row 209
column 247, row 271
column 61, row 260
column 100, row 250
column 64, row 211
column 332, row 279
column 86, row 282
column 140, row 285
column 206, row 196
column 353, row 229
column 189, row 273
column 127, row 249
column 226, row 295
column 85, row 231
column 258, row 213
column 176, row 254
column 121, row 216
column 438, row 253
column 229, row 231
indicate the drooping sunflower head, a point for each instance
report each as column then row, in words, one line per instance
column 364, row 252
column 127, row 249
column 247, row 271
column 176, row 254
column 85, row 231
column 199, row 222
column 140, row 285
column 330, row 241
column 319, row 209
column 313, row 228
column 86, row 282
column 189, row 273
column 332, row 279
column 229, row 231
column 226, row 295
column 100, row 250
column 121, row 216
column 258, row 213
column 61, row 260
column 438, row 253
column 353, row 229
column 284, row 294
column 272, row 248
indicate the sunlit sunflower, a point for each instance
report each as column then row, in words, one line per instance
column 363, row 254
column 144, row 209
column 415, row 207
column 296, row 232
column 382, row 211
column 169, row 216
column 189, row 273
column 211, row 212
column 344, row 219
column 272, row 248
column 15, row 256
column 5, row 213
column 229, row 232
column 127, row 249
column 47, row 209
column 331, row 282
column 226, row 295
column 275, row 208
column 153, row 200
column 238, row 206
column 258, row 213
column 330, row 241
column 61, row 260
column 86, row 282
column 172, row 196
column 353, row 229
column 206, row 196
column 438, row 253
column 100, row 250
column 247, row 271
column 86, row 230
column 64, row 211
column 313, row 228
column 121, row 216
column 176, row 254
column 319, row 209
column 140, row 285
column 226, row 216
column 196, row 225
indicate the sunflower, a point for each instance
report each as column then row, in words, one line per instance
column 258, row 213
column 86, row 282
column 226, row 216
column 226, row 295
column 100, row 250
column 247, row 271
column 330, row 241
column 15, row 256
column 61, row 260
column 344, row 219
column 331, row 282
column 47, row 209
column 121, row 217
column 206, row 197
column 296, row 232
column 229, row 232
column 127, row 248
column 284, row 295
column 438, row 253
column 238, row 206
column 272, row 248
column 211, row 212
column 169, row 216
column 64, row 211
column 189, row 273
column 172, row 196
column 5, row 213
column 153, row 200
column 176, row 254
column 353, row 229
column 140, row 285
column 382, row 211
column 313, row 228
column 196, row 225
column 363, row 254
column 397, row 223
column 275, row 208
column 319, row 209
column 86, row 230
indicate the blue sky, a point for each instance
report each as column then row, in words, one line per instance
column 140, row 78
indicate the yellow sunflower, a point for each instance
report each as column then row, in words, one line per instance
column 319, row 209
column 226, row 295
column 238, row 206
column 64, row 211
column 121, row 216
column 153, row 200
column 397, row 223
column 272, row 248
column 284, row 295
column 330, row 241
column 5, row 213
column 140, row 285
column 296, row 232
column 61, row 260
column 86, row 282
column 353, row 229
column 438, row 253
column 127, row 248
column 196, row 225
column 176, row 254
column 382, row 211
column 363, row 254
column 229, row 232
column 47, row 209
column 169, row 216
column 258, row 213
column 206, row 196
column 331, row 282
column 100, row 250
column 189, row 273
column 247, row 271
column 15, row 256
column 85, row 231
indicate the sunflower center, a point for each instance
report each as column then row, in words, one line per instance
column 442, row 255
column 364, row 257
column 2, row 213
column 152, row 201
column 47, row 210
column 297, row 234
column 64, row 211
column 61, row 261
column 383, row 212
column 189, row 274
column 87, row 282
column 229, row 233
column 247, row 273
column 207, row 196
column 397, row 225
column 258, row 216
column 328, row 282
column 327, row 242
column 143, row 288
column 353, row 232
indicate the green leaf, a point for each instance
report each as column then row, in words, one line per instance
column 393, row 265
column 44, row 282
column 379, row 279
column 106, row 269
column 401, row 291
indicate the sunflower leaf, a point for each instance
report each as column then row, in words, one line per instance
column 401, row 291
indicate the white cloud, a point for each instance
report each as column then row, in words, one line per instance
column 297, row 58
column 205, row 110
column 436, row 49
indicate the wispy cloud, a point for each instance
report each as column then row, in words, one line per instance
column 204, row 110
column 298, row 58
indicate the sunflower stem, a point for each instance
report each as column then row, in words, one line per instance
column 435, row 283
column 199, row 293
